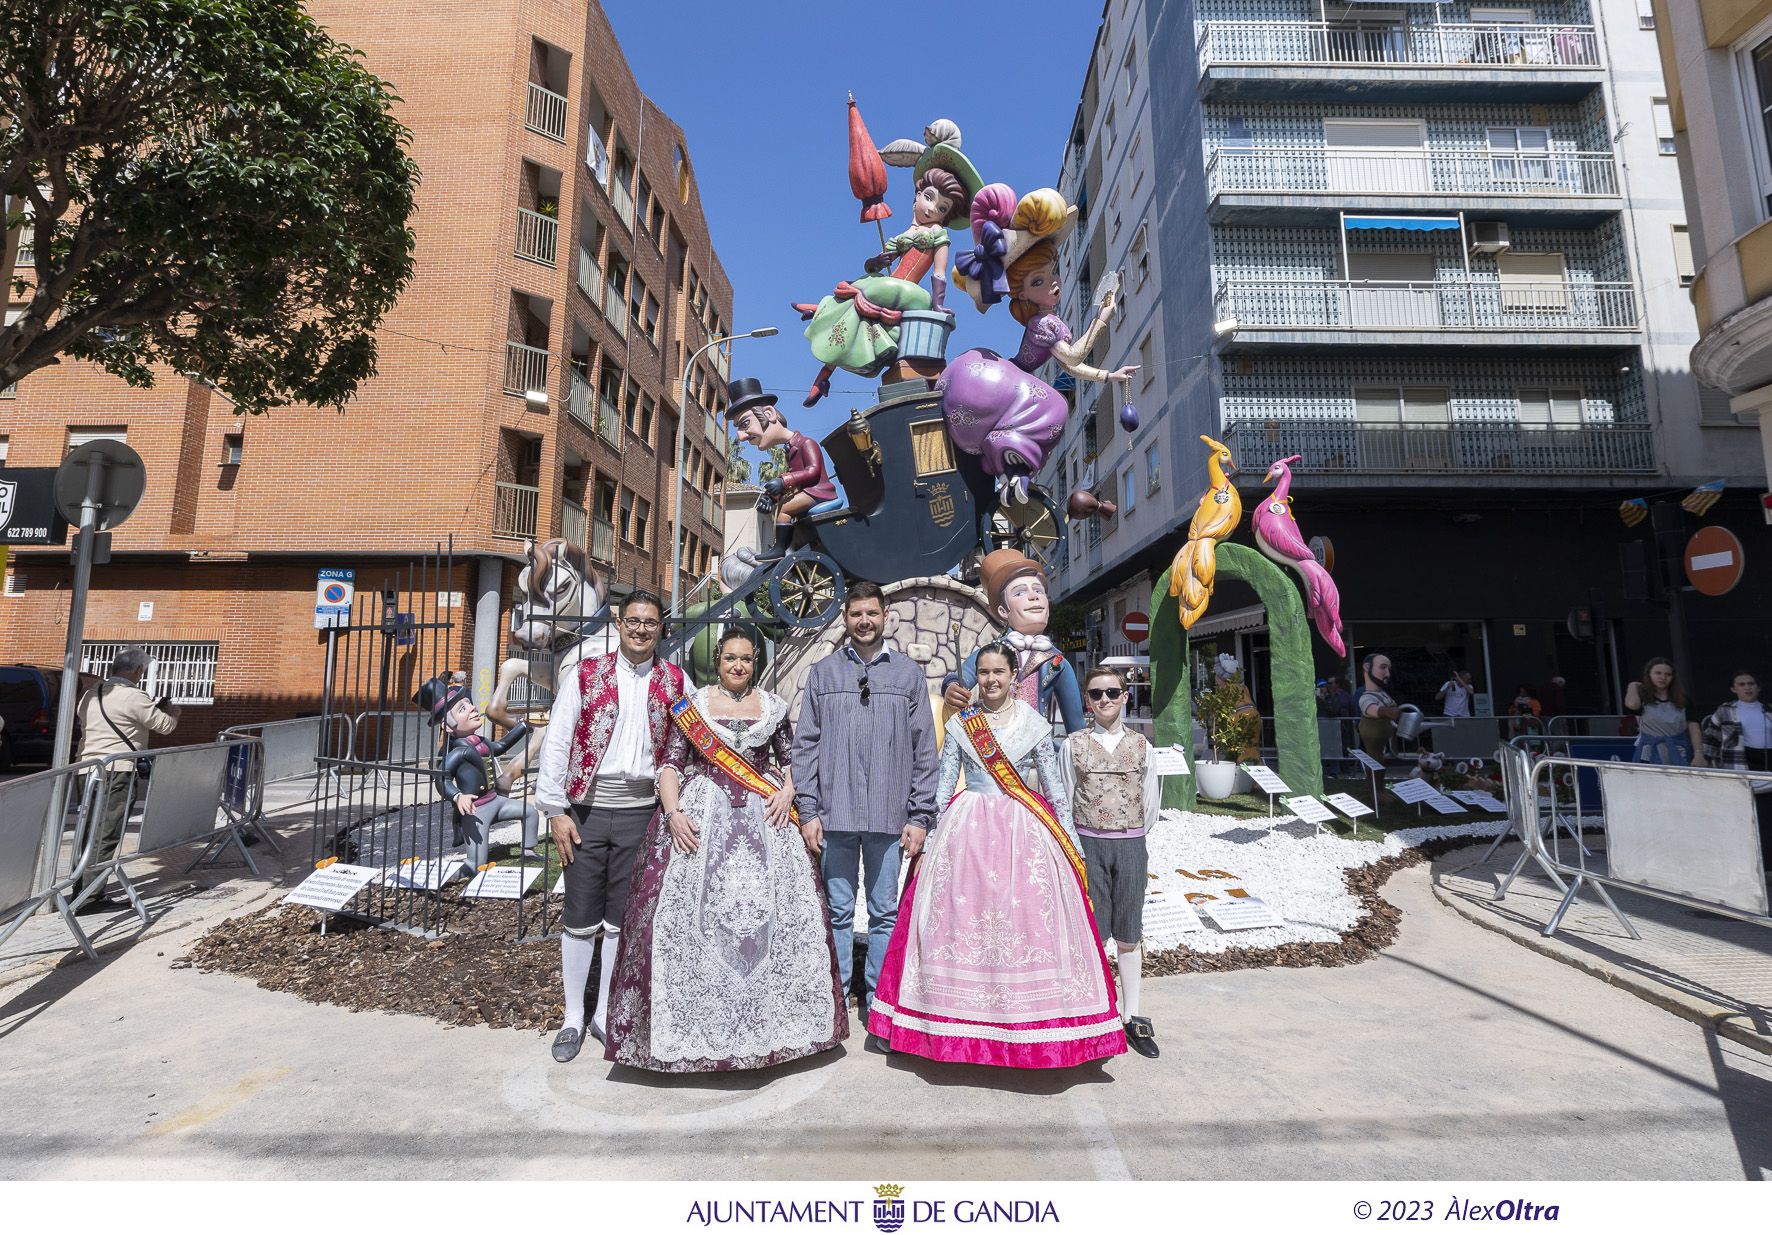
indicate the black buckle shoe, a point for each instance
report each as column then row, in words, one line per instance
column 567, row 1043
column 1140, row 1037
column 879, row 1045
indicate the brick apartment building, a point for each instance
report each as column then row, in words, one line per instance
column 527, row 385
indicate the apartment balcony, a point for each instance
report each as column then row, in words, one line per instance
column 538, row 236
column 1379, row 60
column 1346, row 448
column 1278, row 185
column 526, row 369
column 710, row 510
column 602, row 546
column 581, row 402
column 574, row 523
column 514, row 508
column 609, row 422
column 546, row 112
column 615, row 309
column 1512, row 313
column 590, row 276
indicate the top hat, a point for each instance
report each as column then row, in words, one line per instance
column 437, row 696
column 744, row 393
column 1001, row 567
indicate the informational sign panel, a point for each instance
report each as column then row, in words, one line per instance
column 1445, row 805
column 1413, row 790
column 27, row 507
column 1348, row 805
column 506, row 883
column 1169, row 761
column 1240, row 913
column 1266, row 780
column 1482, row 801
column 334, row 591
column 1167, row 916
column 1310, row 810
column 428, row 874
column 332, row 887
column 1366, row 761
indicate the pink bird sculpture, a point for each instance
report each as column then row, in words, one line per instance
column 1277, row 534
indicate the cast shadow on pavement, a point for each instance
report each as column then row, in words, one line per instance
column 727, row 1082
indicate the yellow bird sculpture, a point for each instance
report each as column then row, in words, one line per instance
column 1220, row 510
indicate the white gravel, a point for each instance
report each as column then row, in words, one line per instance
column 1284, row 861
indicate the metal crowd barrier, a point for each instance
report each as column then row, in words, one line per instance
column 1591, row 726
column 195, row 794
column 30, row 845
column 291, row 748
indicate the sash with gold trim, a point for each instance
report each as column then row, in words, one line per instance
column 984, row 743
column 714, row 748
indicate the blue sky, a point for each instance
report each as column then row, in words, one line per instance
column 761, row 91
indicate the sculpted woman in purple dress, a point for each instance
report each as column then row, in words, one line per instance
column 996, row 407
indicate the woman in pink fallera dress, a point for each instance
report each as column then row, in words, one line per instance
column 995, row 958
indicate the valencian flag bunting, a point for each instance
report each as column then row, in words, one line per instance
column 1701, row 499
column 1633, row 511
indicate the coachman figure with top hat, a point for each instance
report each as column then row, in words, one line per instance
column 466, row 778
column 755, row 419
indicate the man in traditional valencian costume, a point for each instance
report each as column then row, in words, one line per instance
column 607, row 736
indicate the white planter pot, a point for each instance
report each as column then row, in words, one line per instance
column 1216, row 780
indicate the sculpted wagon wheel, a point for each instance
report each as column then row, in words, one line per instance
column 806, row 590
column 1036, row 527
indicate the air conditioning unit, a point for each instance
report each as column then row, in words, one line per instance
column 1489, row 238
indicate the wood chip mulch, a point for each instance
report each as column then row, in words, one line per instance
column 478, row 974
column 1375, row 931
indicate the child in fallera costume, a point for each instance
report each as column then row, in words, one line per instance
column 467, row 775
column 995, row 957
column 757, row 421
column 1111, row 781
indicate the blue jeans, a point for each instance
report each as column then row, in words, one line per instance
column 1675, row 750
column 873, row 855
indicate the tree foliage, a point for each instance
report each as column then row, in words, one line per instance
column 738, row 468
column 774, row 464
column 214, row 185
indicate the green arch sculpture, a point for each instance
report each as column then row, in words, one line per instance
column 1292, row 674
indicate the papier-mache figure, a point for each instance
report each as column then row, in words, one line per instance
column 856, row 326
column 998, row 407
column 465, row 774
column 1015, row 585
column 756, row 420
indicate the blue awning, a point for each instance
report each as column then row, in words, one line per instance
column 1399, row 223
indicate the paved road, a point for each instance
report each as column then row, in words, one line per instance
column 1458, row 1054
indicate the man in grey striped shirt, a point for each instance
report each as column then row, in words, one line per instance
column 864, row 775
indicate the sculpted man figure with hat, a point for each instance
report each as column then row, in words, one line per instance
column 755, row 419
column 464, row 777
column 1016, row 587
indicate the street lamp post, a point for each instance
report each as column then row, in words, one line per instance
column 762, row 332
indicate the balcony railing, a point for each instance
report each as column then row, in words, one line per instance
column 609, row 421
column 1317, row 169
column 621, row 196
column 615, row 309
column 590, row 276
column 1339, row 304
column 715, row 435
column 538, row 236
column 1342, row 447
column 710, row 510
column 1502, row 45
column 547, row 113
column 581, row 402
column 602, row 546
column 513, row 510
column 574, row 523
column 526, row 368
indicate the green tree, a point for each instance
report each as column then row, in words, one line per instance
column 775, row 465
column 213, row 185
column 738, row 468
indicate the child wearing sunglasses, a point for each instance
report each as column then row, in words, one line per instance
column 1112, row 783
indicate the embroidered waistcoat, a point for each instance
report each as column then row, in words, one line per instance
column 596, row 718
column 1110, row 783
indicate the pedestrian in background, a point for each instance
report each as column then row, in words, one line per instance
column 117, row 717
column 1455, row 695
column 1664, row 733
column 1738, row 735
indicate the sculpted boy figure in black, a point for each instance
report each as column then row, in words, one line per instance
column 467, row 774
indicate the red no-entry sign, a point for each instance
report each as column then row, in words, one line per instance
column 1713, row 560
column 1136, row 627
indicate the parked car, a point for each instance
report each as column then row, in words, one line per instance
column 28, row 698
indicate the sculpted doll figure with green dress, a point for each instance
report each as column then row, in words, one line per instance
column 856, row 326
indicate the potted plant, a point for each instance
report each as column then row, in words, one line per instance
column 1230, row 727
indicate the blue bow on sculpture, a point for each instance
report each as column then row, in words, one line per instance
column 983, row 266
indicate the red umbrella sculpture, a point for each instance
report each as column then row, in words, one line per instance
column 867, row 172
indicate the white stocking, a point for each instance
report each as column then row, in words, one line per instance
column 575, row 971
column 1131, row 967
column 611, row 942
